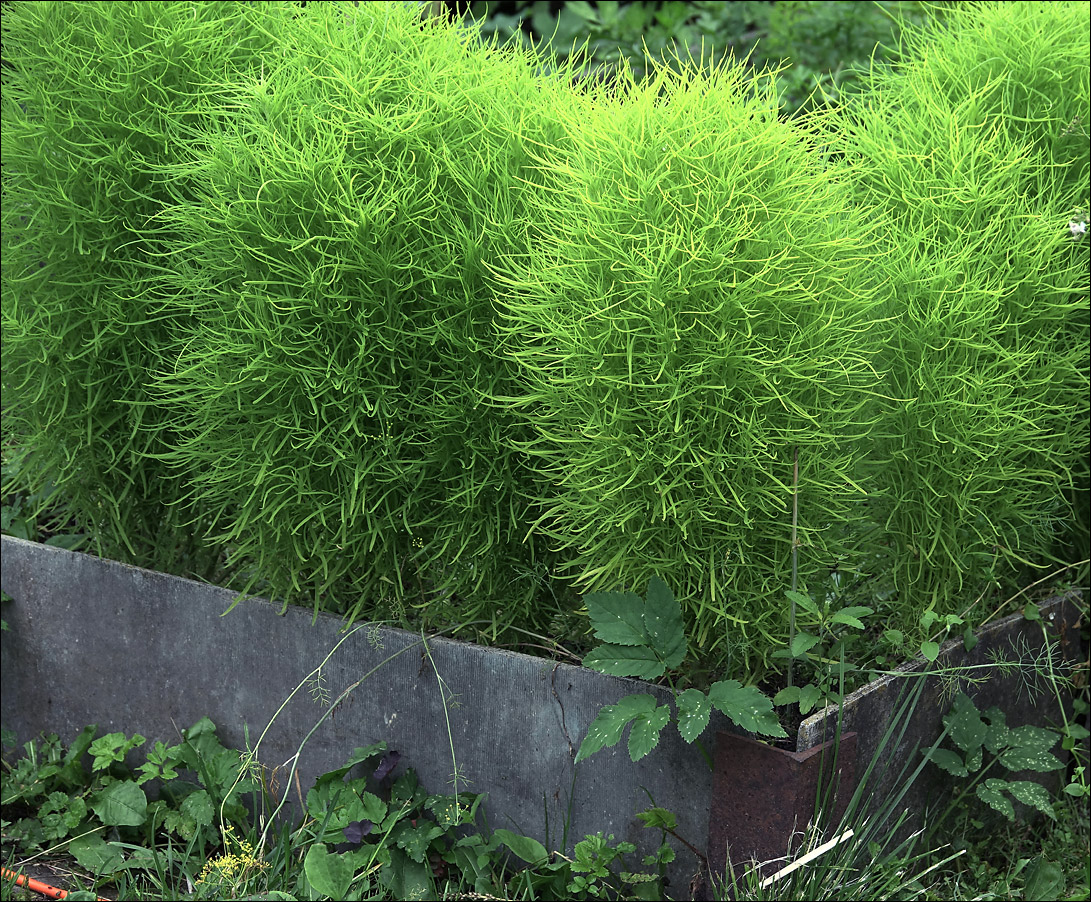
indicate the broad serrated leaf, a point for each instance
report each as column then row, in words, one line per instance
column 996, row 734
column 787, row 696
column 802, row 643
column 950, row 761
column 75, row 812
column 374, row 808
column 1034, row 795
column 1030, row 759
column 97, row 855
column 804, row 601
column 530, row 850
column 203, row 727
column 112, row 747
column 991, row 792
column 850, row 616
column 406, row 791
column 328, row 873
column 809, row 696
column 415, row 838
column 198, row 807
column 445, row 810
column 658, row 817
column 644, row 736
column 222, row 768
column 625, row 660
column 968, row 730
column 746, row 706
column 1033, row 737
column 607, row 727
column 694, row 708
column 121, row 804
column 176, row 822
column 617, row 617
column 663, row 623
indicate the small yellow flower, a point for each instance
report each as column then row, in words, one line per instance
column 233, row 867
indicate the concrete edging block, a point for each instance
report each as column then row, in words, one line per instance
column 96, row 641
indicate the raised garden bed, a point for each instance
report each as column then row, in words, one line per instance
column 95, row 641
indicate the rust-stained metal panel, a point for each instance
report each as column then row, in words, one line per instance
column 763, row 798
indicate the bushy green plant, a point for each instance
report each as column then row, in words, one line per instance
column 60, row 800
column 1026, row 66
column 693, row 314
column 95, row 97
column 392, row 318
column 985, row 429
column 333, row 400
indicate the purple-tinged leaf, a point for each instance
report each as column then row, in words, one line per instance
column 389, row 762
column 357, row 830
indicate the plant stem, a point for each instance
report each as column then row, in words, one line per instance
column 795, row 556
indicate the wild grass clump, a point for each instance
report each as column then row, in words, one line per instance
column 694, row 312
column 968, row 156
column 94, row 98
column 332, row 402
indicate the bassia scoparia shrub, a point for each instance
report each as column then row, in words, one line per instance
column 333, row 402
column 967, row 155
column 693, row 311
column 397, row 319
column 95, row 98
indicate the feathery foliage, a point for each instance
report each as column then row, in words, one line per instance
column 695, row 306
column 387, row 317
column 965, row 155
column 332, row 402
column 94, row 95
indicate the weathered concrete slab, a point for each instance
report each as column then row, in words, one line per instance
column 94, row 641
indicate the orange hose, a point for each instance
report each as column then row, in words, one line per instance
column 37, row 886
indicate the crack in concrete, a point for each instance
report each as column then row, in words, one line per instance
column 564, row 727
